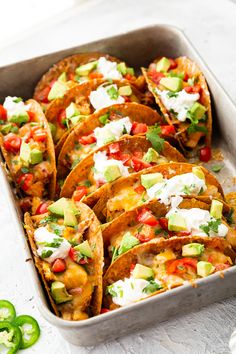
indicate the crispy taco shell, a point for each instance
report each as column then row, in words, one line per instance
column 136, row 112
column 92, row 233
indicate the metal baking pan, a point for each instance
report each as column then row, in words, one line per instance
column 137, row 48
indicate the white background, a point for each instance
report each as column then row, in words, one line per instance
column 29, row 28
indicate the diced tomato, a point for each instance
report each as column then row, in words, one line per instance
column 61, row 118
column 71, row 76
column 132, row 266
column 73, row 254
column 186, row 77
column 173, row 64
column 31, row 115
column 143, row 238
column 87, row 139
column 38, row 134
column 104, row 310
column 167, row 129
column 114, row 148
column 138, row 164
column 163, row 223
column 155, row 76
column 138, row 128
column 188, row 89
column 128, row 77
column 95, row 76
column 42, row 96
column 25, row 181
column 3, row 113
column 205, row 154
column 127, row 99
column 12, row 143
column 59, row 265
column 221, row 266
column 42, row 208
column 179, row 265
column 80, row 192
column 126, row 159
column 146, row 217
column 196, row 89
column 140, row 189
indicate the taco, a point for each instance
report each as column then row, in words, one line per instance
column 112, row 161
column 27, row 147
column 154, row 220
column 67, row 248
column 83, row 67
column 162, row 265
column 159, row 182
column 83, row 99
column 181, row 92
column 106, row 125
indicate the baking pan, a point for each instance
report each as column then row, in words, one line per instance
column 138, row 48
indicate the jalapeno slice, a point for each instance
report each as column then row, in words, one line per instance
column 10, row 337
column 29, row 329
column 7, row 311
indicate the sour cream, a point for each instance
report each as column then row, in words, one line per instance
column 112, row 131
column 194, row 218
column 14, row 108
column 101, row 98
column 42, row 236
column 101, row 162
column 180, row 103
column 108, row 69
column 187, row 183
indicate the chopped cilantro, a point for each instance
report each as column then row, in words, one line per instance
column 77, row 145
column 2, row 121
column 46, row 253
column 124, row 130
column 186, row 190
column 24, row 170
column 152, row 287
column 217, row 168
column 173, row 112
column 172, row 94
column 87, row 183
column 47, row 219
column 57, row 229
column 153, row 136
column 211, row 226
column 17, row 100
column 196, row 128
column 110, row 290
column 114, row 254
column 113, row 93
column 55, row 243
column 104, row 119
column 140, row 229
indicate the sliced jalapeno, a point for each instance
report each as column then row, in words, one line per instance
column 7, row 311
column 10, row 337
column 29, row 329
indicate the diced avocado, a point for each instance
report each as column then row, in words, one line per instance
column 130, row 71
column 125, row 91
column 197, row 110
column 121, row 67
column 111, row 173
column 69, row 218
column 151, row 156
column 192, row 250
column 5, row 129
column 25, row 152
column 52, row 128
column 216, row 209
column 150, row 179
column 36, row 156
column 59, row 292
column 58, row 90
column 61, row 204
column 142, row 272
column 163, row 65
column 20, row 117
column 76, row 119
column 84, row 70
column 176, row 223
column 173, row 84
column 128, row 241
column 174, row 74
column 197, row 171
column 72, row 110
column 204, row 268
column 85, row 249
column 62, row 77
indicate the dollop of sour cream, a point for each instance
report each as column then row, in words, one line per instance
column 128, row 291
column 100, row 98
column 187, row 183
column 101, row 162
column 43, row 237
column 14, row 108
column 180, row 103
column 112, row 131
column 108, row 69
column 194, row 218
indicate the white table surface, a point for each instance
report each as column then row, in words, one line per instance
column 211, row 26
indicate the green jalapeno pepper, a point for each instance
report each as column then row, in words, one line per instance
column 7, row 311
column 10, row 337
column 29, row 329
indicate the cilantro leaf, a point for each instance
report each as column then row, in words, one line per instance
column 46, row 253
column 47, row 219
column 104, row 119
column 152, row 287
column 217, row 168
column 212, row 225
column 153, row 136
column 172, row 94
column 113, row 93
column 110, row 290
column 196, row 128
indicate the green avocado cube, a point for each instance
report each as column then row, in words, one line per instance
column 25, row 152
column 59, row 292
column 84, row 70
column 62, row 77
column 128, row 241
column 173, row 84
column 85, row 249
column 216, row 209
column 77, row 119
column 111, row 173
column 204, row 268
column 36, row 156
column 58, row 90
column 150, row 179
column 163, row 65
column 125, row 91
column 121, row 67
column 52, row 128
column 176, row 223
column 151, row 156
column 6, row 128
column 69, row 218
column 197, row 111
column 130, row 71
column 20, row 117
column 142, row 272
column 61, row 205
column 72, row 110
column 192, row 250
column 197, row 171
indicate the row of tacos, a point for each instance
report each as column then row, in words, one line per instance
column 114, row 211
